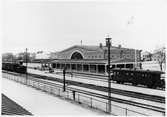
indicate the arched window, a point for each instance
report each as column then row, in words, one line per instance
column 76, row 56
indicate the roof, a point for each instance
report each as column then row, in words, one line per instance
column 93, row 48
column 84, row 61
column 42, row 60
column 92, row 61
column 9, row 107
column 88, row 48
column 138, row 70
column 124, row 60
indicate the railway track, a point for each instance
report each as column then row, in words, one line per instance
column 100, row 77
column 102, row 96
column 133, row 94
column 146, row 106
column 105, row 89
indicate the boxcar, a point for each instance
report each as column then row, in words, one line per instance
column 14, row 67
column 151, row 79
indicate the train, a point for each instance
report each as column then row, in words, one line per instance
column 14, row 67
column 151, row 79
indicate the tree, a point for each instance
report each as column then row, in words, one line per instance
column 150, row 56
column 161, row 56
column 8, row 57
column 22, row 56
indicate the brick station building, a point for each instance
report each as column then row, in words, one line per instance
column 93, row 59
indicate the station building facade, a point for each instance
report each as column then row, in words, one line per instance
column 93, row 59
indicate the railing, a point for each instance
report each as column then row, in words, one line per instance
column 70, row 94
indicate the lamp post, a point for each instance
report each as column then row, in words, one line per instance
column 108, row 44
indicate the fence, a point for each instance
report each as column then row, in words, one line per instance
column 69, row 94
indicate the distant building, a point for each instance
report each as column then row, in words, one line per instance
column 8, row 57
column 53, row 55
column 146, row 56
column 158, row 58
column 32, row 56
column 42, row 55
column 159, row 54
column 155, row 57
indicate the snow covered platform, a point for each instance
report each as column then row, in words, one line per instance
column 40, row 103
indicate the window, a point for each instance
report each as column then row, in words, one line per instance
column 77, row 56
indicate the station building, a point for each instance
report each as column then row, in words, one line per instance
column 93, row 59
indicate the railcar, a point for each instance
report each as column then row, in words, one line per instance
column 151, row 79
column 14, row 67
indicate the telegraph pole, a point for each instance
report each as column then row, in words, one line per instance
column 64, row 80
column 108, row 43
column 26, row 66
column 135, row 60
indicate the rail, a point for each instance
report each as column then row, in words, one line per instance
column 105, row 89
column 102, row 77
column 74, row 95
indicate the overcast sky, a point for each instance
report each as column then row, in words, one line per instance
column 54, row 26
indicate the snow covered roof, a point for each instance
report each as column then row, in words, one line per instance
column 92, row 48
column 43, row 55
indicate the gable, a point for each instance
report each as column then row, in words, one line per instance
column 85, row 51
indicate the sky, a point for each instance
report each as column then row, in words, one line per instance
column 52, row 25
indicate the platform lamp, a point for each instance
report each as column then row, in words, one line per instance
column 108, row 44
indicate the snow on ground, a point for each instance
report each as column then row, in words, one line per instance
column 101, row 83
column 134, row 108
column 118, row 107
column 152, row 65
column 122, row 97
column 40, row 103
column 116, row 95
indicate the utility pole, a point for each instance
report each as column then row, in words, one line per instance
column 108, row 43
column 64, row 80
column 26, row 66
column 135, row 60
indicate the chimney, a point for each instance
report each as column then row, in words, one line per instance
column 119, row 46
column 100, row 45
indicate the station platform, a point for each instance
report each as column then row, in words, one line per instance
column 41, row 103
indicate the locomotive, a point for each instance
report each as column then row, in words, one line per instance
column 14, row 67
column 151, row 79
